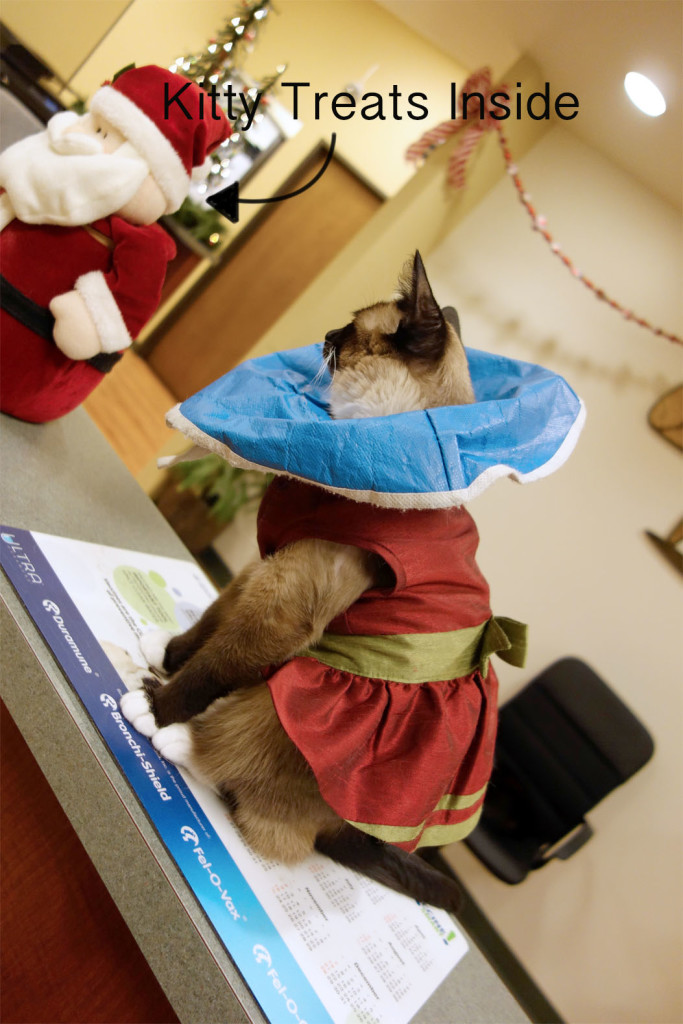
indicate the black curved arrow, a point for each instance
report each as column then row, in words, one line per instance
column 226, row 201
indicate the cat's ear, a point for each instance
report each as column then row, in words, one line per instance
column 450, row 315
column 422, row 332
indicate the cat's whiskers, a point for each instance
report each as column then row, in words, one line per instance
column 324, row 366
column 318, row 378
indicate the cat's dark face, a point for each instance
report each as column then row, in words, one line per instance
column 399, row 355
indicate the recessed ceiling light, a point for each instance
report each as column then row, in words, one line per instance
column 644, row 94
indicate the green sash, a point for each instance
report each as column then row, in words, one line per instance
column 424, row 657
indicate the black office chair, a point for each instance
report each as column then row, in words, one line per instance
column 564, row 742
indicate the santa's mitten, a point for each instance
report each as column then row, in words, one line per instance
column 74, row 331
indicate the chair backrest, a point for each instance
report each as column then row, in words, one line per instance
column 564, row 742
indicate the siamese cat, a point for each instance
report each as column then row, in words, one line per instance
column 215, row 715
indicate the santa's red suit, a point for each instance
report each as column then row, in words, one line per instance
column 117, row 266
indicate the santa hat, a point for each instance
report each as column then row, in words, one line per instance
column 169, row 121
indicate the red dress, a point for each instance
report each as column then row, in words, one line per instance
column 405, row 761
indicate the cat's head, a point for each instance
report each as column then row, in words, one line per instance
column 398, row 356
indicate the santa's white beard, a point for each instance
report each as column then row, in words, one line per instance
column 49, row 179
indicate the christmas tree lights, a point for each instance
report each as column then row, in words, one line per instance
column 219, row 69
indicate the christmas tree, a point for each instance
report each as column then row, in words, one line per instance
column 218, row 67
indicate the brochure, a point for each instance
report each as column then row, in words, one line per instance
column 315, row 943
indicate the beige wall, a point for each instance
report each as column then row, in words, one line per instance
column 62, row 32
column 327, row 43
column 601, row 932
column 417, row 217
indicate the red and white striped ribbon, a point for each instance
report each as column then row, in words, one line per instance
column 472, row 132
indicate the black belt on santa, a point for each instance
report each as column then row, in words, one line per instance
column 41, row 321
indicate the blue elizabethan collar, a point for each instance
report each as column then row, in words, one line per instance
column 270, row 414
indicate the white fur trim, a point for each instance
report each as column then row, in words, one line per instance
column 6, row 211
column 106, row 315
column 166, row 166
column 407, row 500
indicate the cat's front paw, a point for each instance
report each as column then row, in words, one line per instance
column 174, row 743
column 153, row 646
column 136, row 707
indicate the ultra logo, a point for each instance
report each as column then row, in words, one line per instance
column 22, row 559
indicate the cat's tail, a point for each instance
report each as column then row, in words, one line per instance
column 404, row 872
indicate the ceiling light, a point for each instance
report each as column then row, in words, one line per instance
column 644, row 94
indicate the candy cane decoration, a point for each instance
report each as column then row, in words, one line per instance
column 472, row 132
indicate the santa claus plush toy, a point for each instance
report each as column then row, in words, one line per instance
column 81, row 258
